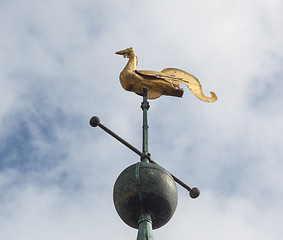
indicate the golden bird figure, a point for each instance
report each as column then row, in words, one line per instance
column 165, row 82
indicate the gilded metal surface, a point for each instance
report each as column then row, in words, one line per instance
column 165, row 82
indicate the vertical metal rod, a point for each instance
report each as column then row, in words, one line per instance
column 145, row 107
column 145, row 228
column 145, row 223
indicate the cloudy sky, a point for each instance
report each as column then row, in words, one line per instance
column 58, row 69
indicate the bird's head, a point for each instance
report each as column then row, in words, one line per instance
column 127, row 52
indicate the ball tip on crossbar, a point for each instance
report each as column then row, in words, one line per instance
column 94, row 121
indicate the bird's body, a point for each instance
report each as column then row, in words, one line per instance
column 165, row 82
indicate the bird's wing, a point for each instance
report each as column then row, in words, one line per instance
column 149, row 73
column 158, row 76
column 171, row 76
column 160, row 82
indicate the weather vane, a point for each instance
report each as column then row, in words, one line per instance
column 145, row 194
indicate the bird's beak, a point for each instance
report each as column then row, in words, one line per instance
column 122, row 52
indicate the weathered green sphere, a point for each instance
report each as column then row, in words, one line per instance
column 145, row 186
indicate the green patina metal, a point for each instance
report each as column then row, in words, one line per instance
column 145, row 228
column 144, row 223
column 145, row 107
column 149, row 185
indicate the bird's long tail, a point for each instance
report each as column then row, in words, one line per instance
column 180, row 76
